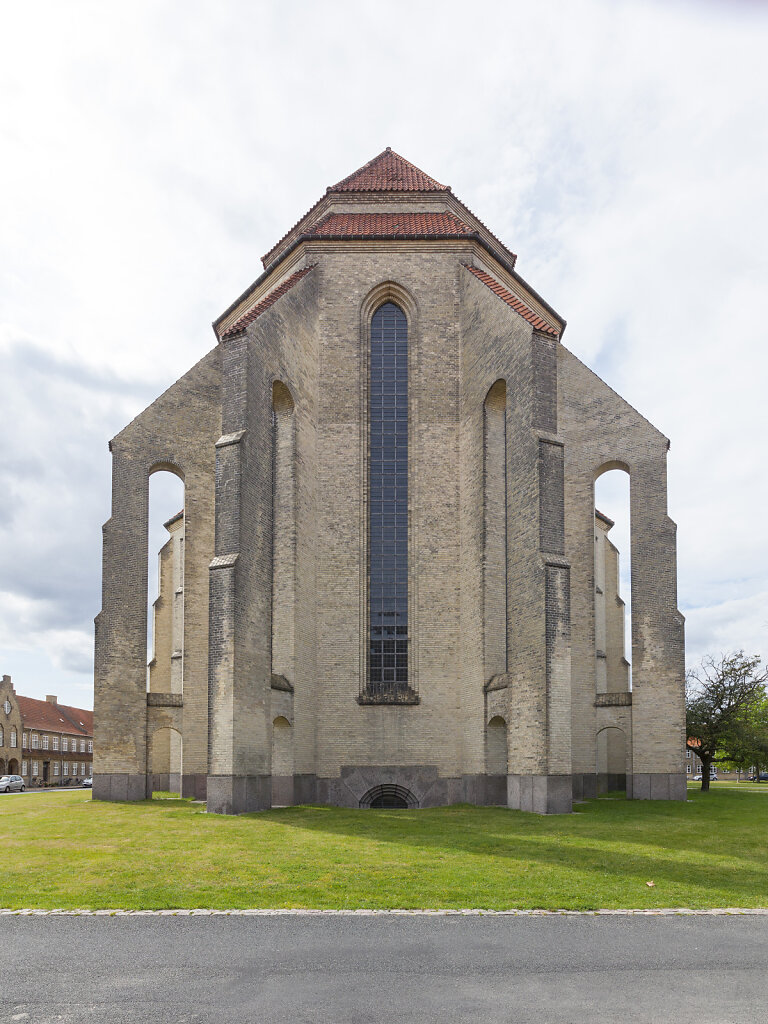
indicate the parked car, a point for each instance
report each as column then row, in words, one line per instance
column 87, row 783
column 697, row 778
column 762, row 778
column 11, row 784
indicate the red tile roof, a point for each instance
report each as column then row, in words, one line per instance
column 509, row 298
column 388, row 172
column 41, row 714
column 390, row 225
column 239, row 326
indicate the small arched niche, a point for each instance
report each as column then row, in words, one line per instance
column 611, row 760
column 282, row 762
column 497, row 746
column 165, row 761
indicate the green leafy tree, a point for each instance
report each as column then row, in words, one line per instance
column 747, row 745
column 720, row 696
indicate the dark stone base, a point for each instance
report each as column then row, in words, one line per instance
column 194, row 786
column 609, row 782
column 282, row 790
column 542, row 794
column 657, row 786
column 120, row 786
column 238, row 794
column 422, row 782
column 584, row 786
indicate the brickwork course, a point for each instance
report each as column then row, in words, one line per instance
column 260, row 690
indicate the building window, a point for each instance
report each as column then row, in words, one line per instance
column 23, row 767
column 45, row 742
column 25, row 739
column 7, row 707
column 55, row 742
column 388, row 508
column 687, row 753
column 90, row 746
column 14, row 738
column 82, row 746
column 55, row 767
column 35, row 741
column 65, row 768
column 65, row 743
column 34, row 767
column 688, row 768
column 2, row 736
column 82, row 768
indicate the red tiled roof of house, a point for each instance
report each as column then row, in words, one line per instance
column 388, row 172
column 509, row 298
column 41, row 714
column 81, row 717
column 390, row 225
column 239, row 326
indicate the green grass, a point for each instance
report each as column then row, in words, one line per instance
column 66, row 851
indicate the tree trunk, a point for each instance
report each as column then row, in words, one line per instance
column 706, row 763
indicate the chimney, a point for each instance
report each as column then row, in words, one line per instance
column 51, row 698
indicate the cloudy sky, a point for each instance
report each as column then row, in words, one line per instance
column 153, row 151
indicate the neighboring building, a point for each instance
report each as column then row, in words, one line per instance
column 389, row 586
column 693, row 767
column 47, row 743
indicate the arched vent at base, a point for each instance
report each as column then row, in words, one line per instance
column 390, row 796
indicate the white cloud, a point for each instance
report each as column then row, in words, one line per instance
column 154, row 150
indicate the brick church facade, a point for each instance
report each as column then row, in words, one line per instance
column 389, row 554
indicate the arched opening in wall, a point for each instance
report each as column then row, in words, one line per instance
column 389, row 795
column 497, row 746
column 611, row 760
column 495, row 530
column 3, row 767
column 613, row 581
column 165, row 762
column 165, row 581
column 283, row 531
column 282, row 762
column 13, row 766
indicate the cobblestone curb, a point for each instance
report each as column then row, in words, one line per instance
column 469, row 912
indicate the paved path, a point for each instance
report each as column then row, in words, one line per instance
column 351, row 970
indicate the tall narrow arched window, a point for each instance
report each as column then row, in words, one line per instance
column 388, row 509
column 283, row 531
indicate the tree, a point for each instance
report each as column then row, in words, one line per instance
column 719, row 696
column 748, row 744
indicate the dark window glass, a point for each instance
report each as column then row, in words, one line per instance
column 388, row 559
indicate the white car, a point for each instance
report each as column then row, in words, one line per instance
column 697, row 778
column 11, row 784
column 87, row 783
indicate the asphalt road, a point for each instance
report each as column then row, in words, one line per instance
column 344, row 969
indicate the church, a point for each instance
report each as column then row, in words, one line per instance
column 389, row 585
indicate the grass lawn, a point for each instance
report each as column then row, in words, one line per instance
column 63, row 850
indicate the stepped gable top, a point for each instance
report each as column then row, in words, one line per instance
column 388, row 172
column 43, row 715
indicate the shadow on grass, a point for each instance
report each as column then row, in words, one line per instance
column 535, row 841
